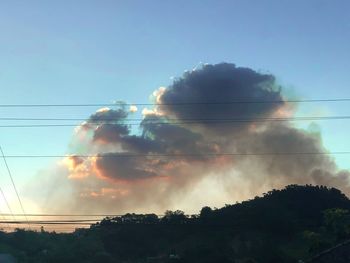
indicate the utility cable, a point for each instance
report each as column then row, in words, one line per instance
column 236, row 101
column 127, row 155
column 14, row 185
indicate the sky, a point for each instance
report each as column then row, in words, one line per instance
column 81, row 52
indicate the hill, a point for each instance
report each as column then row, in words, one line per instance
column 295, row 223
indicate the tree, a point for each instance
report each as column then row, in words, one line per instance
column 337, row 221
column 174, row 217
column 206, row 214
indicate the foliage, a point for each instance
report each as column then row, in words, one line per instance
column 282, row 226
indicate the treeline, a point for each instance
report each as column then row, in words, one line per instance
column 298, row 206
column 285, row 225
column 170, row 217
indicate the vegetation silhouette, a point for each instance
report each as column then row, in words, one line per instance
column 295, row 223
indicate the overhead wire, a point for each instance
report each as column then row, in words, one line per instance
column 129, row 155
column 120, row 103
column 3, row 218
column 63, row 215
column 7, row 203
column 166, row 120
column 48, row 221
column 14, row 185
column 169, row 121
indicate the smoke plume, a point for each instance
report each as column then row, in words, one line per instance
column 165, row 163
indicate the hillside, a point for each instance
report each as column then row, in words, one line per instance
column 284, row 225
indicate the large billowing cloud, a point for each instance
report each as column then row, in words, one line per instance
column 165, row 163
column 221, row 83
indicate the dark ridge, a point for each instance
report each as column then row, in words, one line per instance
column 295, row 224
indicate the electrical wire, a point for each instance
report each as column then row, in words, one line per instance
column 14, row 185
column 237, row 101
column 7, row 203
column 122, row 155
column 160, row 119
column 169, row 122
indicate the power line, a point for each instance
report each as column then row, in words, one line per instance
column 14, row 185
column 122, row 155
column 50, row 227
column 7, row 203
column 237, row 101
column 3, row 218
column 180, row 120
column 65, row 215
column 183, row 122
column 48, row 221
column 44, row 223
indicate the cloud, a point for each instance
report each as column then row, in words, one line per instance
column 73, row 161
column 219, row 84
column 165, row 128
column 117, row 166
column 164, row 163
column 133, row 108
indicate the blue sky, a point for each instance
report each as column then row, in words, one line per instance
column 101, row 51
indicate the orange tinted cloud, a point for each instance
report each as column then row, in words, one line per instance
column 78, row 168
